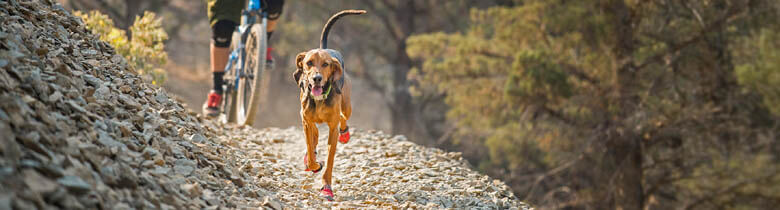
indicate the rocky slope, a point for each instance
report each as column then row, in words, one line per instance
column 81, row 131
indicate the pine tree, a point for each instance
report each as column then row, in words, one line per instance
column 618, row 104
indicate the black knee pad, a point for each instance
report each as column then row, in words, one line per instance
column 222, row 33
column 274, row 8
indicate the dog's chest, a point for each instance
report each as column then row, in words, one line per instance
column 322, row 113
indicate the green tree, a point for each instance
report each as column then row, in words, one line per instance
column 616, row 104
column 758, row 65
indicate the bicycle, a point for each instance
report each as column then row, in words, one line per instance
column 245, row 78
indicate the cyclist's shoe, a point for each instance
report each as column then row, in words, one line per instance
column 269, row 59
column 211, row 107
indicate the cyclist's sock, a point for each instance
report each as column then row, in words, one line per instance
column 217, row 77
column 268, row 56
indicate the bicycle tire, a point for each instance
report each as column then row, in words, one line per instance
column 230, row 97
column 250, row 90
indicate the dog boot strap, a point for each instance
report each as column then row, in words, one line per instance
column 345, row 130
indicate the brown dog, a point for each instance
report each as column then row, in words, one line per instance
column 325, row 98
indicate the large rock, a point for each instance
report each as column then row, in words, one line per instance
column 38, row 183
column 75, row 184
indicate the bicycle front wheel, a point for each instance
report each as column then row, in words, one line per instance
column 251, row 87
column 229, row 103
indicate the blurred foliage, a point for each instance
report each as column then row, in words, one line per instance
column 758, row 67
column 144, row 50
column 617, row 104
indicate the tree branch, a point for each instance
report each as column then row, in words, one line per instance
column 547, row 174
column 556, row 115
column 578, row 73
column 381, row 51
column 571, row 69
column 372, row 82
column 726, row 18
column 731, row 188
column 447, row 134
column 394, row 32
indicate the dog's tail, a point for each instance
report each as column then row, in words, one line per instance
column 331, row 21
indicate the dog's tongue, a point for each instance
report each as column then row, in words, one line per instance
column 316, row 91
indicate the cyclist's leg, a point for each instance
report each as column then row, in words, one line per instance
column 274, row 9
column 274, row 12
column 224, row 16
column 221, row 35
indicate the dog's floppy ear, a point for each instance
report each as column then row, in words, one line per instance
column 299, row 70
column 338, row 74
column 337, row 71
column 297, row 77
column 299, row 60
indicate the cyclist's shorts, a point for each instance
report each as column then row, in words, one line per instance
column 231, row 9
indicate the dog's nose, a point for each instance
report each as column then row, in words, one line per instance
column 317, row 78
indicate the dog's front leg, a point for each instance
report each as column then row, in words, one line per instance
column 312, row 134
column 332, row 134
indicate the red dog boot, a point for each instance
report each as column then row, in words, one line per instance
column 344, row 136
column 326, row 192
column 306, row 164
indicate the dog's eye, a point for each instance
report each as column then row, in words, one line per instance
column 325, row 65
column 309, row 63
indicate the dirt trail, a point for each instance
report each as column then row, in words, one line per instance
column 372, row 170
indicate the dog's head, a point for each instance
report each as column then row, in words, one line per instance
column 317, row 72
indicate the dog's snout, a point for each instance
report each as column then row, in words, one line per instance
column 317, row 78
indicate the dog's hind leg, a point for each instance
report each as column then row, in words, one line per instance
column 346, row 113
column 343, row 128
column 346, row 103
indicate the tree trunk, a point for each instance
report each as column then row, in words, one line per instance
column 405, row 119
column 626, row 182
column 623, row 145
column 132, row 8
column 405, row 114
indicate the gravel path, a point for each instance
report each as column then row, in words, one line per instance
column 372, row 170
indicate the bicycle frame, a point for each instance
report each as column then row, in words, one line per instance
column 248, row 17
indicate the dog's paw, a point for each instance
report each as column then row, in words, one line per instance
column 306, row 164
column 326, row 192
column 344, row 137
column 322, row 165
